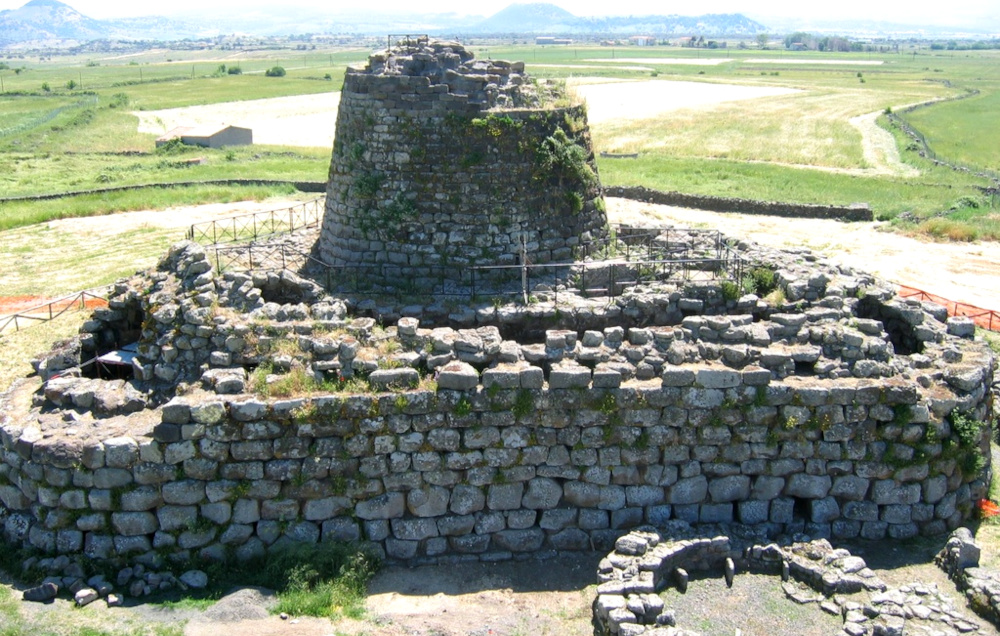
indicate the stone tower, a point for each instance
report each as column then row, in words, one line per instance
column 442, row 163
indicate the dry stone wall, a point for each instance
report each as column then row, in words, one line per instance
column 492, row 466
column 441, row 162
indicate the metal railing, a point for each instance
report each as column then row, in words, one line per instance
column 985, row 318
column 611, row 276
column 250, row 227
column 77, row 301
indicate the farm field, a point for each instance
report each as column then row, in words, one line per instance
column 803, row 142
column 802, row 127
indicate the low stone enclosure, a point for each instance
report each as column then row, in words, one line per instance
column 241, row 424
column 651, row 376
column 648, row 560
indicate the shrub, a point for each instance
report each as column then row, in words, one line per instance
column 560, row 157
column 275, row 71
column 327, row 579
column 759, row 280
column 119, row 100
column 234, row 70
column 730, row 290
column 46, row 87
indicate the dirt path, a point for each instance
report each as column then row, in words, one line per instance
column 879, row 147
column 964, row 272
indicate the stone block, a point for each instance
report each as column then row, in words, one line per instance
column 717, row 378
column 505, row 496
column 677, row 376
column 850, row 487
column 688, row 491
column 404, row 377
column 808, row 486
column 429, row 501
column 569, row 376
column 414, row 529
column 752, row 512
column 625, row 518
column 887, row 491
column 782, row 510
column 824, row 510
column 457, row 376
column 541, row 494
column 185, row 492
column 387, row 506
column 716, row 513
column 732, row 488
column 134, row 523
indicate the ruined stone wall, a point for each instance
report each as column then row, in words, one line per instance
column 425, row 181
column 507, row 462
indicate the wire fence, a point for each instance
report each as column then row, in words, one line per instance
column 638, row 257
column 985, row 318
column 77, row 301
column 46, row 117
column 253, row 226
column 928, row 152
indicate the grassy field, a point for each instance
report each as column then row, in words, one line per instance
column 68, row 126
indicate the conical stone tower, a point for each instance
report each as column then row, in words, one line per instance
column 443, row 163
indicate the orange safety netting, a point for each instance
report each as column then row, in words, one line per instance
column 985, row 318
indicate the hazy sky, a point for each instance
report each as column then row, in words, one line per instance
column 931, row 12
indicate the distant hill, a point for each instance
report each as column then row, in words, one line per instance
column 48, row 20
column 44, row 20
column 547, row 18
column 535, row 17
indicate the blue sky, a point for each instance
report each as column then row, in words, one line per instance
column 969, row 13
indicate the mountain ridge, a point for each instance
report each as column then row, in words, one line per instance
column 43, row 20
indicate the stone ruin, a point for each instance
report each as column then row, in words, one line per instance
column 442, row 163
column 260, row 408
column 648, row 560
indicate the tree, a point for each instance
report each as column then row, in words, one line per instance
column 762, row 40
column 275, row 71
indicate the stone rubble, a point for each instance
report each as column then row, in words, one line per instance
column 647, row 560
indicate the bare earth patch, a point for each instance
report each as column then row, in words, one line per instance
column 683, row 61
column 300, row 120
column 782, row 60
column 647, row 99
column 310, row 120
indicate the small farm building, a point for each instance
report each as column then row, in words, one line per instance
column 210, row 136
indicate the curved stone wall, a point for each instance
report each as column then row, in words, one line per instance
column 500, row 464
column 429, row 177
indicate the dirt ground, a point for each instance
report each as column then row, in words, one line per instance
column 299, row 120
column 964, row 272
column 309, row 120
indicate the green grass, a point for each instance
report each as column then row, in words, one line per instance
column 326, row 580
column 727, row 178
column 18, row 348
column 795, row 148
column 69, row 622
column 19, row 214
column 963, row 130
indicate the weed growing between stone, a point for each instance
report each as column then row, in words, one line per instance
column 326, row 580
